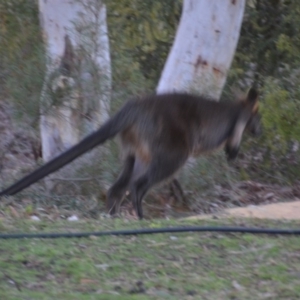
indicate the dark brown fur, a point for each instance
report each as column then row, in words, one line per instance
column 158, row 134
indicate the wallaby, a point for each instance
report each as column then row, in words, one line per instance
column 158, row 134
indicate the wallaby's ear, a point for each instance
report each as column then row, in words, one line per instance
column 252, row 99
column 252, row 95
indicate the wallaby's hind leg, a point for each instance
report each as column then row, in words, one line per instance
column 160, row 168
column 117, row 191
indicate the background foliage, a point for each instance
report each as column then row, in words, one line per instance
column 21, row 57
column 143, row 30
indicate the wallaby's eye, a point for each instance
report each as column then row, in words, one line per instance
column 254, row 125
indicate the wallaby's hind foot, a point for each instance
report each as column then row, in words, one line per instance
column 117, row 192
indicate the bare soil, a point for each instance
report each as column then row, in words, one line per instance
column 274, row 211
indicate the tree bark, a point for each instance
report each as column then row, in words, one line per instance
column 76, row 93
column 204, row 47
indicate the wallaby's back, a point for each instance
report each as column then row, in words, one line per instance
column 174, row 121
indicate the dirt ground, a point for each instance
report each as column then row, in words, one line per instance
column 275, row 211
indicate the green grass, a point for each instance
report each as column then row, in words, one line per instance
column 162, row 266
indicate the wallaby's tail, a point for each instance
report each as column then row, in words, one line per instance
column 114, row 125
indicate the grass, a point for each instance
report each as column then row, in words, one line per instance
column 162, row 266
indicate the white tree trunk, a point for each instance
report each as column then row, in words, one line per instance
column 76, row 93
column 204, row 47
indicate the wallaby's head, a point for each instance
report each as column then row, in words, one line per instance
column 254, row 123
column 248, row 119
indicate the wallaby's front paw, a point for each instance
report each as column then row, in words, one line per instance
column 231, row 153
